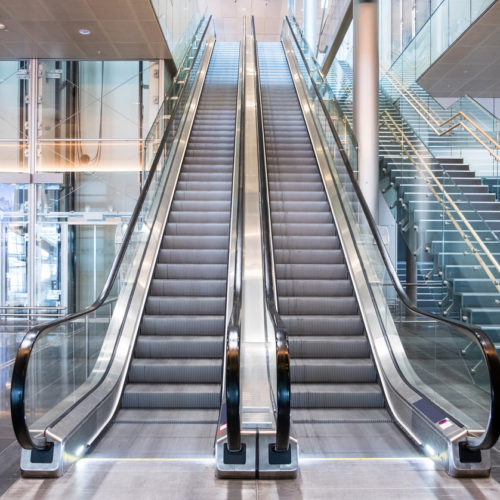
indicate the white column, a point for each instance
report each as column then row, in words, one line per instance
column 33, row 133
column 310, row 22
column 366, row 63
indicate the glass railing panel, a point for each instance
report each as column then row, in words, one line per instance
column 447, row 23
column 70, row 358
column 428, row 352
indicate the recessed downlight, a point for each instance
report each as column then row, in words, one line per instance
column 2, row 26
column 84, row 31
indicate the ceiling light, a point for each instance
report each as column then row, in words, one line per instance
column 2, row 26
column 84, row 31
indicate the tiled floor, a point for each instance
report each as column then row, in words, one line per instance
column 109, row 473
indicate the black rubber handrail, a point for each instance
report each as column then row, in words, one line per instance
column 19, row 373
column 233, row 333
column 478, row 336
column 283, row 392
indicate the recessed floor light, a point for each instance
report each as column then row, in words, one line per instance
column 84, row 31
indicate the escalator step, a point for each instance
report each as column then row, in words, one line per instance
column 329, row 395
column 182, row 325
column 175, row 371
column 171, row 346
column 342, row 370
column 171, row 396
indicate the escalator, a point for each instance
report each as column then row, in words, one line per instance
column 371, row 375
column 177, row 365
column 155, row 385
column 332, row 371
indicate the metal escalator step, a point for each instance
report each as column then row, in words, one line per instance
column 193, row 287
column 196, row 306
column 335, row 306
column 193, row 256
column 337, row 396
column 340, row 415
column 200, row 217
column 306, row 242
column 213, row 201
column 314, row 288
column 297, row 196
column 170, row 416
column 293, row 229
column 341, row 370
column 198, row 242
column 171, row 396
column 191, row 271
column 312, row 271
column 193, row 228
column 206, row 177
column 182, row 325
column 306, row 217
column 175, row 371
column 204, row 186
column 172, row 346
column 324, row 325
column 331, row 346
column 299, row 206
column 286, row 256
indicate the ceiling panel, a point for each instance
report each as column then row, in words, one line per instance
column 472, row 64
column 125, row 29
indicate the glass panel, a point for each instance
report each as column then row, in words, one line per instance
column 14, row 83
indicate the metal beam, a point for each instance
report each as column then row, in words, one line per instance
column 339, row 38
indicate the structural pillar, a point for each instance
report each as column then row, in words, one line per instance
column 33, row 101
column 310, row 22
column 366, row 81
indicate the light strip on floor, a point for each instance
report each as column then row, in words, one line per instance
column 365, row 459
column 111, row 459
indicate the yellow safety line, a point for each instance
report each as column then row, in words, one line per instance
column 452, row 203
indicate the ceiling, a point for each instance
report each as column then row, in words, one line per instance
column 119, row 29
column 228, row 15
column 472, row 64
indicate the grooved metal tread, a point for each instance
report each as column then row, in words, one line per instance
column 331, row 365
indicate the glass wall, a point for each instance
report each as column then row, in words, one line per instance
column 178, row 20
column 82, row 179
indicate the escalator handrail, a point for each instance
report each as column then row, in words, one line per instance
column 281, row 334
column 233, row 333
column 478, row 336
column 34, row 334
